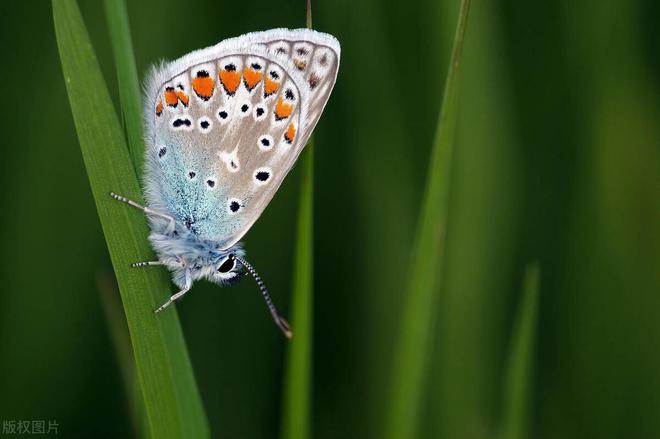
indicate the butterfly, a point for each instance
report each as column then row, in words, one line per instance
column 223, row 127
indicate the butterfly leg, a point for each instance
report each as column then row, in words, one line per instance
column 146, row 264
column 178, row 295
column 172, row 299
column 170, row 221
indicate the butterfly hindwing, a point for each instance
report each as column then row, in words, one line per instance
column 226, row 124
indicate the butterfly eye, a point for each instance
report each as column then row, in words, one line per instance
column 227, row 266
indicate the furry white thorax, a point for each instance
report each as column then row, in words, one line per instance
column 190, row 258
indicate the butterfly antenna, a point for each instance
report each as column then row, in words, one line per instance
column 279, row 320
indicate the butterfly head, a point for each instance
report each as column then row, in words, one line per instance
column 227, row 268
column 226, row 271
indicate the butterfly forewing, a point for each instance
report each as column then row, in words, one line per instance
column 318, row 63
column 228, row 122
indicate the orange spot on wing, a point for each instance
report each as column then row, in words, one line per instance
column 171, row 98
column 182, row 97
column 230, row 80
column 290, row 133
column 270, row 87
column 203, row 86
column 159, row 108
column 251, row 78
column 282, row 109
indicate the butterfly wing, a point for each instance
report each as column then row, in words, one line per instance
column 226, row 124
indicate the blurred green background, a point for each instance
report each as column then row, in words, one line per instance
column 557, row 160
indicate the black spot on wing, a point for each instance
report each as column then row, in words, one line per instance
column 181, row 122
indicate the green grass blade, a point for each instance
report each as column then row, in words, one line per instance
column 515, row 418
column 295, row 423
column 482, row 248
column 127, row 79
column 414, row 342
column 297, row 392
column 171, row 398
column 121, row 342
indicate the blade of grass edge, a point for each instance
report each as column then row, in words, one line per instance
column 121, row 342
column 129, row 99
column 417, row 321
column 517, row 393
column 297, row 392
column 171, row 397
column 127, row 79
column 296, row 414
